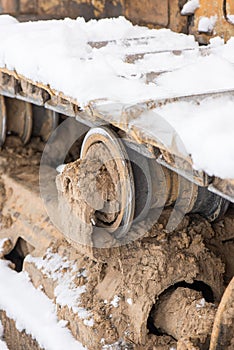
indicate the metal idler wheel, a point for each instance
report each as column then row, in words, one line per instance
column 151, row 188
column 19, row 119
column 102, row 144
column 45, row 121
column 3, row 121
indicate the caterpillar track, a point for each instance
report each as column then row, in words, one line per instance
column 92, row 183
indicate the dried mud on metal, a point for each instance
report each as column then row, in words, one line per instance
column 161, row 291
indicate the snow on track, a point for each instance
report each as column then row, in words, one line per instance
column 32, row 311
column 206, row 129
column 190, row 7
column 59, row 53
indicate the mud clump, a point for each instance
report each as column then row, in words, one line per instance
column 5, row 247
column 184, row 313
column 122, row 291
column 5, row 220
column 87, row 197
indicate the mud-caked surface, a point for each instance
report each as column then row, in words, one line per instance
column 121, row 293
column 184, row 313
column 16, row 158
column 89, row 194
column 15, row 154
column 110, row 296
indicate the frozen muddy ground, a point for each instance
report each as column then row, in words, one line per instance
column 33, row 312
column 110, row 304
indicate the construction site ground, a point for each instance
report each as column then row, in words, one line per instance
column 107, row 298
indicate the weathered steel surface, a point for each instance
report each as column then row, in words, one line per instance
column 217, row 10
column 177, row 22
column 225, row 187
column 149, row 11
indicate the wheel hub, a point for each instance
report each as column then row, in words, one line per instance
column 115, row 180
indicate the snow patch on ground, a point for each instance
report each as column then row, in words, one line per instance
column 118, row 345
column 32, row 311
column 190, row 7
column 129, row 301
column 7, row 19
column 63, row 272
column 201, row 304
column 3, row 345
column 206, row 24
column 115, row 301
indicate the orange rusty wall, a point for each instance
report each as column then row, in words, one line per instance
column 222, row 25
column 156, row 13
column 62, row 8
column 148, row 11
column 230, row 7
column 9, row 6
column 74, row 8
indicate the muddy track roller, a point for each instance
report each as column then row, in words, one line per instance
column 142, row 184
column 102, row 144
column 22, row 119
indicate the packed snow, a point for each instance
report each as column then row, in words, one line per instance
column 33, row 312
column 60, row 54
column 3, row 345
column 206, row 24
column 63, row 272
column 231, row 18
column 7, row 19
column 210, row 143
column 190, row 7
